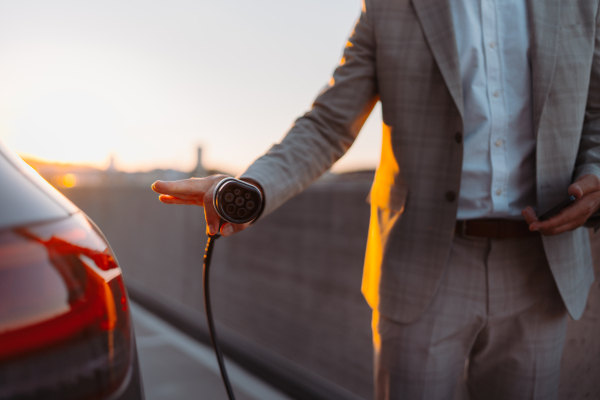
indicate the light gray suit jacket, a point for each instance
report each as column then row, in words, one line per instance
column 403, row 53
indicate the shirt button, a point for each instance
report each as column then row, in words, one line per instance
column 498, row 143
column 450, row 196
column 496, row 93
column 499, row 192
column 492, row 45
column 458, row 137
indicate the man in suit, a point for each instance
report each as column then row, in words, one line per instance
column 491, row 115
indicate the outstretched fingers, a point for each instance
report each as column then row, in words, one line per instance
column 187, row 187
column 168, row 199
column 186, row 191
column 184, row 187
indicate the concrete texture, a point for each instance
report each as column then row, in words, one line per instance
column 292, row 281
column 176, row 367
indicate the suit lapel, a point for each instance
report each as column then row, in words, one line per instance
column 544, row 18
column 436, row 20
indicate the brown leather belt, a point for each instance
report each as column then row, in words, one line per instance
column 493, row 228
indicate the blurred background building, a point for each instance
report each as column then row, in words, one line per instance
column 63, row 175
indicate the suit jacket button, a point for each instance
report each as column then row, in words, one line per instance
column 450, row 196
column 458, row 137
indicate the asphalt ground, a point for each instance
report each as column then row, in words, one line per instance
column 175, row 366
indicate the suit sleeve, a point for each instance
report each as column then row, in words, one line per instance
column 320, row 137
column 588, row 157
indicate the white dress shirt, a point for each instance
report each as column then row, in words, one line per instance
column 498, row 175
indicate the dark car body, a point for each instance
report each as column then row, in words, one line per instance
column 65, row 326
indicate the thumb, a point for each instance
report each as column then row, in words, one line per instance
column 584, row 185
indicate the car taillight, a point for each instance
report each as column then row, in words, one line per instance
column 64, row 322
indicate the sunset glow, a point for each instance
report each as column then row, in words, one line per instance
column 69, row 180
column 149, row 82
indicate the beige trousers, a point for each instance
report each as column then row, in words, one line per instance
column 495, row 329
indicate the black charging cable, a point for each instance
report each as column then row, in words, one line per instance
column 210, row 245
column 237, row 202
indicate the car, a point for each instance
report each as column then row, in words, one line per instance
column 65, row 326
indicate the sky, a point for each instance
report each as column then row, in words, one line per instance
column 149, row 81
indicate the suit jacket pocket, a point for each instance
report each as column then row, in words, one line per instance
column 391, row 197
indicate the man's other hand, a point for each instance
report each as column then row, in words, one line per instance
column 199, row 192
column 587, row 192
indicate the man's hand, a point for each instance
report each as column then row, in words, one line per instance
column 587, row 192
column 199, row 192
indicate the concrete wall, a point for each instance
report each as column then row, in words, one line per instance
column 291, row 282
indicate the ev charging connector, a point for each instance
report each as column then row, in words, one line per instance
column 236, row 202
